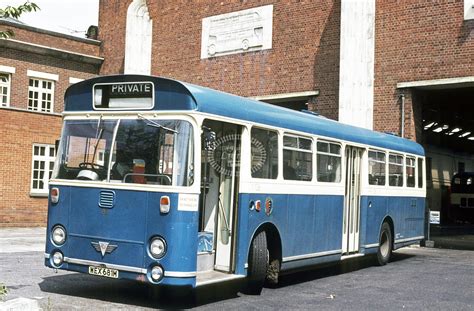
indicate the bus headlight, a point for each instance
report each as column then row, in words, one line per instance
column 58, row 235
column 157, row 247
column 157, row 273
column 57, row 259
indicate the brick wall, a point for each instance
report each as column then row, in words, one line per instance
column 18, row 131
column 304, row 54
column 417, row 40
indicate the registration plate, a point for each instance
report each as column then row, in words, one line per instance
column 108, row 273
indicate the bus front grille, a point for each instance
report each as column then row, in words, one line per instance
column 106, row 199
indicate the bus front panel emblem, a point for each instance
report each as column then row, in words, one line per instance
column 103, row 247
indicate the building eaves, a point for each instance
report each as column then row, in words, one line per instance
column 49, row 51
column 20, row 25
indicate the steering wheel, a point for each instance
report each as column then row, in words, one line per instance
column 90, row 165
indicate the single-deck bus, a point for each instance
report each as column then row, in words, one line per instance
column 174, row 184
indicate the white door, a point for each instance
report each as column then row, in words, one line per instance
column 351, row 217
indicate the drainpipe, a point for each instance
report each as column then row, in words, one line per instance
column 402, row 131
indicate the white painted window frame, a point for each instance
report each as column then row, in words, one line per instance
column 40, row 90
column 47, row 158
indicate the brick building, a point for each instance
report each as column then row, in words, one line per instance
column 376, row 64
column 36, row 67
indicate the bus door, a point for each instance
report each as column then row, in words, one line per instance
column 220, row 194
column 351, row 216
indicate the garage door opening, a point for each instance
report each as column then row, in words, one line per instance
column 448, row 138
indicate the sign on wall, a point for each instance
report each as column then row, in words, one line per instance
column 237, row 32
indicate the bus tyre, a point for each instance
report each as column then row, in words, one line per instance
column 258, row 264
column 385, row 245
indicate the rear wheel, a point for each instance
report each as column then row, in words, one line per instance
column 385, row 245
column 258, row 264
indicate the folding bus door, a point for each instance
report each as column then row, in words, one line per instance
column 351, row 216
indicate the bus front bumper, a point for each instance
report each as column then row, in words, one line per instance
column 113, row 271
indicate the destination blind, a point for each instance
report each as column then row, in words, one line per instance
column 129, row 95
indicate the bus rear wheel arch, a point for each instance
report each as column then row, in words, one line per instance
column 385, row 248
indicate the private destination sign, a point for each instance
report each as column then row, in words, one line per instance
column 129, row 95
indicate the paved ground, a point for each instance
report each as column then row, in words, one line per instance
column 418, row 278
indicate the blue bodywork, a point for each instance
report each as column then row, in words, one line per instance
column 307, row 224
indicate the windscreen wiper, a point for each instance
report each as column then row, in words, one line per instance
column 154, row 124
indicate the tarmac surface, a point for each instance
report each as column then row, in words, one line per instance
column 418, row 278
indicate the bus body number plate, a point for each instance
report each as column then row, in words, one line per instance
column 108, row 273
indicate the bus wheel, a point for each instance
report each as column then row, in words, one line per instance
column 258, row 264
column 385, row 245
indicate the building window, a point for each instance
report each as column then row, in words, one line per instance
column 297, row 158
column 5, row 89
column 42, row 168
column 40, row 95
column 329, row 161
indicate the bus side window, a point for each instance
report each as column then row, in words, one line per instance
column 420, row 173
column 377, row 161
column 410, row 171
column 297, row 158
column 395, row 170
column 328, row 161
column 264, row 154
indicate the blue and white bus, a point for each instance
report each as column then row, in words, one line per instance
column 175, row 184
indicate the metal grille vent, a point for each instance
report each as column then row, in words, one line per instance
column 106, row 199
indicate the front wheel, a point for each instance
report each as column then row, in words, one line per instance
column 385, row 245
column 258, row 264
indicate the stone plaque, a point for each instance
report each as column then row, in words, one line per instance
column 237, row 32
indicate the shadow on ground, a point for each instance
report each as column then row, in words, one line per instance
column 140, row 294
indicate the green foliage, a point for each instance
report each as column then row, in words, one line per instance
column 16, row 12
column 3, row 291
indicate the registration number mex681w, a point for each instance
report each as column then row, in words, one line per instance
column 106, row 272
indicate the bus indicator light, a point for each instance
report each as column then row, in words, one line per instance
column 258, row 205
column 54, row 195
column 165, row 204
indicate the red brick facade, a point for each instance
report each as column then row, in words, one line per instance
column 51, row 53
column 414, row 40
column 417, row 40
column 304, row 54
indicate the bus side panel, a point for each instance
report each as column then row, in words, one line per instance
column 407, row 214
column 373, row 210
column 307, row 224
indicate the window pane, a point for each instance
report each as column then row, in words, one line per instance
column 323, row 147
column 410, row 171
column 335, row 149
column 376, row 168
column 420, row 173
column 395, row 170
column 289, row 141
column 305, row 144
column 297, row 165
column 329, row 168
column 264, row 165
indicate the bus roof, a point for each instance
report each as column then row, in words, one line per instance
column 177, row 95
